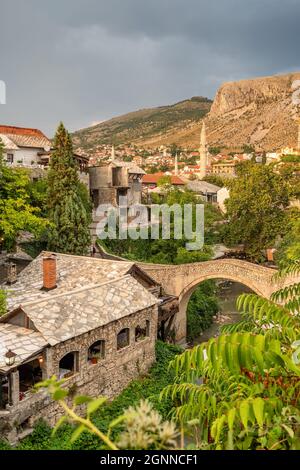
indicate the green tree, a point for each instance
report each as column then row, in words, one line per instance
column 164, row 181
column 216, row 179
column 247, row 148
column 289, row 248
column 17, row 213
column 214, row 150
column 174, row 149
column 202, row 307
column 171, row 251
column 66, row 203
column 256, row 208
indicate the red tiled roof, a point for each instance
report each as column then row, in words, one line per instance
column 155, row 177
column 13, row 130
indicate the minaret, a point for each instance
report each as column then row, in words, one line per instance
column 176, row 164
column 203, row 152
column 113, row 153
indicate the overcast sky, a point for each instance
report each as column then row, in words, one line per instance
column 84, row 61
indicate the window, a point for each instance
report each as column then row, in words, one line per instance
column 142, row 332
column 68, row 365
column 96, row 352
column 29, row 375
column 123, row 338
column 10, row 158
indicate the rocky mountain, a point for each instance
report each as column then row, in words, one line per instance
column 259, row 112
column 146, row 127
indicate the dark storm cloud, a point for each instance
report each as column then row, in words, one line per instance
column 83, row 61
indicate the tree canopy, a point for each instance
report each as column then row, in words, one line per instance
column 17, row 212
column 67, row 200
column 256, row 208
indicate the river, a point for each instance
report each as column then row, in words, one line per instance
column 228, row 313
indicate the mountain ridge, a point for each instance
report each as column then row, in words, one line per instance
column 257, row 111
column 143, row 125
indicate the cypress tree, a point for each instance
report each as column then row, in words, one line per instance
column 70, row 221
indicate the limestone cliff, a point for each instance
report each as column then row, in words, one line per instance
column 258, row 111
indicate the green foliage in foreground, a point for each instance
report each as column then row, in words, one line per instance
column 241, row 390
column 148, row 387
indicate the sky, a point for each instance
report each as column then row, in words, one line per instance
column 85, row 61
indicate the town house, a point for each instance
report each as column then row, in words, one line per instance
column 90, row 321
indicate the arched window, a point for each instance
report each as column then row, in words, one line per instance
column 123, row 338
column 68, row 365
column 142, row 332
column 96, row 352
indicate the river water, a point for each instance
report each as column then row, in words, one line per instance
column 228, row 293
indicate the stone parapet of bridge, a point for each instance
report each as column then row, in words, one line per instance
column 182, row 280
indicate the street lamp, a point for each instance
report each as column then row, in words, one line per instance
column 10, row 358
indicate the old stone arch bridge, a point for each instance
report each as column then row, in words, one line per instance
column 182, row 280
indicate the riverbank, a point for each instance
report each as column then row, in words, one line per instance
column 228, row 293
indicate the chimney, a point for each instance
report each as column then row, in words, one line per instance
column 49, row 271
column 11, row 273
column 270, row 254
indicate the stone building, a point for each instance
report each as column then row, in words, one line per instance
column 110, row 181
column 30, row 148
column 90, row 321
column 206, row 191
column 225, row 169
column 22, row 145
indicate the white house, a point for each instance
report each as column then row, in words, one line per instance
column 23, row 146
column 222, row 195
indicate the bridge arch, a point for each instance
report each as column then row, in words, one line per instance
column 182, row 280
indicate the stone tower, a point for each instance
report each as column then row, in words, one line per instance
column 203, row 152
column 113, row 155
column 176, row 165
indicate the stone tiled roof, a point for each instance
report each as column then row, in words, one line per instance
column 203, row 187
column 8, row 144
column 29, row 141
column 64, row 316
column 73, row 272
column 133, row 168
column 21, row 341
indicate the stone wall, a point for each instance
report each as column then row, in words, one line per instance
column 108, row 377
